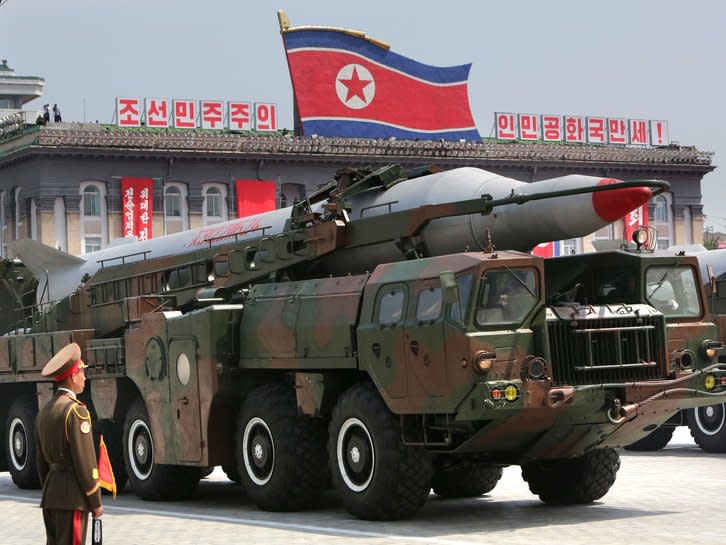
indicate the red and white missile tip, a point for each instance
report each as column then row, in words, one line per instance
column 613, row 205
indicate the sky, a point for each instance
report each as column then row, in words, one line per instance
column 642, row 59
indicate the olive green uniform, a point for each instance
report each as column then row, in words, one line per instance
column 67, row 467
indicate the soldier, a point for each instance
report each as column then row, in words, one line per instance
column 66, row 456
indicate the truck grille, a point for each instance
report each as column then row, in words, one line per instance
column 611, row 350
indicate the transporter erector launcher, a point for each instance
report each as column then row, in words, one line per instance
column 526, row 214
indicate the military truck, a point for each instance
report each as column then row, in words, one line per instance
column 430, row 372
column 706, row 424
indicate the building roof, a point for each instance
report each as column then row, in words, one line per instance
column 26, row 88
column 100, row 140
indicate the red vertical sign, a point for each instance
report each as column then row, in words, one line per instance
column 254, row 196
column 136, row 205
column 635, row 219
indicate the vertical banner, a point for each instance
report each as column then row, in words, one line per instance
column 254, row 197
column 633, row 220
column 136, row 204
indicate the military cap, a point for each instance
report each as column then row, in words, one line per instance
column 65, row 362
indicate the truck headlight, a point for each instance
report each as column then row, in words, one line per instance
column 709, row 349
column 483, row 360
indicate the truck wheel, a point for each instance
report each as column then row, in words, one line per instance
column 578, row 480
column 152, row 481
column 280, row 455
column 463, row 479
column 657, row 439
column 377, row 476
column 20, row 445
column 708, row 427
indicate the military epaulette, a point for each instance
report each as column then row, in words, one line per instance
column 85, row 419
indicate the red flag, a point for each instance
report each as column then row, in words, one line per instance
column 105, row 471
column 348, row 84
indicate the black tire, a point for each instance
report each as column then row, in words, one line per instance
column 280, row 455
column 708, row 427
column 377, row 477
column 657, row 439
column 574, row 481
column 20, row 447
column 232, row 474
column 461, row 478
column 152, row 481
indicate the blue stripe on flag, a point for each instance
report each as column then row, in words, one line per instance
column 367, row 129
column 346, row 42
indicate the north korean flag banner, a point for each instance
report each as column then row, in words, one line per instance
column 348, row 84
column 136, row 207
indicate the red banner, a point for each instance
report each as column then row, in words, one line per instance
column 254, row 196
column 635, row 219
column 136, row 200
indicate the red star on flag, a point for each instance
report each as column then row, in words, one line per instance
column 355, row 86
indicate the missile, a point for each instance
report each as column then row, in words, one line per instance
column 511, row 226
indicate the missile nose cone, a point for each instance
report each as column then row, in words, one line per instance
column 612, row 205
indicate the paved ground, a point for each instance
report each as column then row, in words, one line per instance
column 675, row 496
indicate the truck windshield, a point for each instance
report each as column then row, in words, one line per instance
column 506, row 297
column 673, row 290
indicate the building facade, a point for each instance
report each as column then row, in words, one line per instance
column 60, row 184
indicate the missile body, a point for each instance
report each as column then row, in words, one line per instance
column 512, row 226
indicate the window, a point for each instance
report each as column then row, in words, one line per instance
column 390, row 307
column 214, row 209
column 673, row 290
column 91, row 201
column 172, row 202
column 464, row 283
column 175, row 208
column 570, row 246
column 604, row 233
column 506, row 296
column 290, row 193
column 660, row 209
column 428, row 306
column 213, row 202
column 94, row 223
column 91, row 244
column 660, row 219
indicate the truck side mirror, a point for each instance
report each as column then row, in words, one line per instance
column 449, row 287
column 711, row 279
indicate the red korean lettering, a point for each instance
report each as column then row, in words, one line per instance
column 157, row 112
column 617, row 131
column 239, row 116
column 506, row 126
column 184, row 114
column 638, row 132
column 265, row 117
column 211, row 114
column 128, row 112
column 528, row 127
column 596, row 130
column 574, row 129
column 551, row 128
